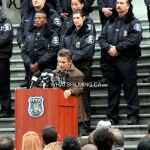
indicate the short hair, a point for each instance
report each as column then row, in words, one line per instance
column 103, row 139
column 70, row 143
column 89, row 147
column 49, row 134
column 6, row 143
column 144, row 144
column 118, row 138
column 42, row 12
column 65, row 53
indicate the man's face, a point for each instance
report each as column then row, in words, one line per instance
column 38, row 3
column 63, row 63
column 122, row 7
column 40, row 19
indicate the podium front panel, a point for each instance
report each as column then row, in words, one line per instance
column 36, row 108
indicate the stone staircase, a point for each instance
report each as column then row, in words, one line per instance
column 132, row 133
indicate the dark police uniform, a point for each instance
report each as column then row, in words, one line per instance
column 125, row 33
column 68, row 23
column 28, row 22
column 41, row 46
column 63, row 6
column 6, row 38
column 25, row 6
column 104, row 4
column 81, row 43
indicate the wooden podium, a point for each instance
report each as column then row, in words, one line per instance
column 36, row 108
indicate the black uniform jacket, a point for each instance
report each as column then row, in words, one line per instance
column 43, row 50
column 27, row 23
column 123, row 32
column 6, row 37
column 80, row 42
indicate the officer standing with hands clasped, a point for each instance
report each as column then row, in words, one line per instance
column 119, row 41
column 6, row 38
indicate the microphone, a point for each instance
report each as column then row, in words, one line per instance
column 34, row 78
column 46, row 78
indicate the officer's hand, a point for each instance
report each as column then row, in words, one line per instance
column 21, row 45
column 64, row 15
column 107, row 11
column 112, row 51
column 67, row 93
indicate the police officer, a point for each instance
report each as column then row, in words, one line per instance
column 81, row 42
column 63, row 8
column 25, row 6
column 105, row 11
column 6, row 38
column 41, row 46
column 147, row 3
column 77, row 4
column 119, row 41
column 27, row 22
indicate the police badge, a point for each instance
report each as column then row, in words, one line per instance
column 78, row 44
column 35, row 107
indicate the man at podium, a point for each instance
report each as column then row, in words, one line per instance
column 71, row 81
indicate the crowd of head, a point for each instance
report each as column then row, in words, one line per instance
column 104, row 137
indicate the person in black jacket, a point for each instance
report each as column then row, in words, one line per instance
column 105, row 11
column 6, row 38
column 40, row 48
column 25, row 6
column 147, row 3
column 81, row 42
column 119, row 41
column 28, row 22
column 63, row 8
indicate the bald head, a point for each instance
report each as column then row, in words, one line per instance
column 89, row 147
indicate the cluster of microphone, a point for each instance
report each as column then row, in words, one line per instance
column 43, row 80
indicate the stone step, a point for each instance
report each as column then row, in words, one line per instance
column 7, row 132
column 102, row 98
column 7, row 122
column 100, row 109
column 143, row 119
column 142, row 88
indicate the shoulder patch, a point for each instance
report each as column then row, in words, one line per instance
column 137, row 27
column 90, row 27
column 90, row 39
column 57, row 21
column 55, row 40
column 6, row 27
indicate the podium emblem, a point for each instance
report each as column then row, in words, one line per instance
column 36, row 107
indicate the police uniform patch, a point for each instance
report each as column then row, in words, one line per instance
column 90, row 27
column 36, row 106
column 6, row 27
column 137, row 27
column 57, row 21
column 90, row 39
column 78, row 44
column 55, row 40
column 125, row 33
